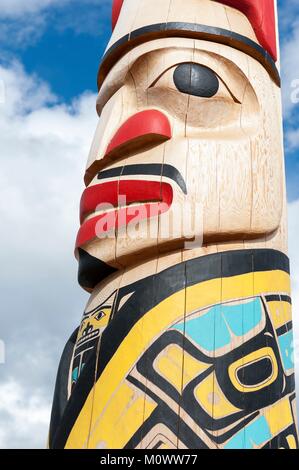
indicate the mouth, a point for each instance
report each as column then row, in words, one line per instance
column 143, row 200
column 110, row 206
column 88, row 337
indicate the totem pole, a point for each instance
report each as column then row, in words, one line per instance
column 186, row 341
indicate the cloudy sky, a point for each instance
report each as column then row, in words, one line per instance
column 49, row 55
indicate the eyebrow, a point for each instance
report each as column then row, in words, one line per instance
column 186, row 30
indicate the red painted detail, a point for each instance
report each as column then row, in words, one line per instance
column 107, row 193
column 116, row 8
column 149, row 122
column 261, row 14
column 96, row 195
column 154, row 198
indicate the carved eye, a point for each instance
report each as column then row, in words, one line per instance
column 195, row 79
column 100, row 315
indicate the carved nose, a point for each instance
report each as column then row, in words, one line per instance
column 141, row 131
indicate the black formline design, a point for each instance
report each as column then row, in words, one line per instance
column 166, row 283
column 61, row 387
column 150, row 169
column 163, row 414
column 279, row 298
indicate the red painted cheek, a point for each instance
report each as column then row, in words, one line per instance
column 147, row 128
column 116, row 9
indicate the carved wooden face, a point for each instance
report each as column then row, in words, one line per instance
column 188, row 143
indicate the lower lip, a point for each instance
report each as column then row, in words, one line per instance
column 150, row 199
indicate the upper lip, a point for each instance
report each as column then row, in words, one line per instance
column 97, row 196
column 148, row 193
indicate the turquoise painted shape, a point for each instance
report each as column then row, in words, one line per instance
column 75, row 374
column 212, row 330
column 253, row 435
column 208, row 331
column 287, row 350
column 244, row 317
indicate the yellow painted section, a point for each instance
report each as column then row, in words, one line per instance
column 211, row 398
column 169, row 364
column 80, row 435
column 272, row 281
column 279, row 416
column 249, row 359
column 280, row 313
column 164, row 447
column 291, row 441
column 236, row 287
column 121, row 419
column 141, row 335
column 157, row 320
column 203, row 295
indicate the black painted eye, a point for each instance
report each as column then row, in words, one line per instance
column 100, row 315
column 255, row 373
column 196, row 80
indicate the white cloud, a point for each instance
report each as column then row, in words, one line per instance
column 25, row 417
column 44, row 146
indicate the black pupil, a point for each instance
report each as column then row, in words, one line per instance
column 195, row 79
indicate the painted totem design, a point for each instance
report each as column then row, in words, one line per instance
column 183, row 346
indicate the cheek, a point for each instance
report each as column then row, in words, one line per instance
column 268, row 179
column 174, row 103
column 238, row 186
column 223, row 117
column 213, row 118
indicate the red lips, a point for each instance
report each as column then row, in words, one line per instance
column 154, row 198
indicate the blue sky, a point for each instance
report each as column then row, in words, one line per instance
column 65, row 43
column 49, row 56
